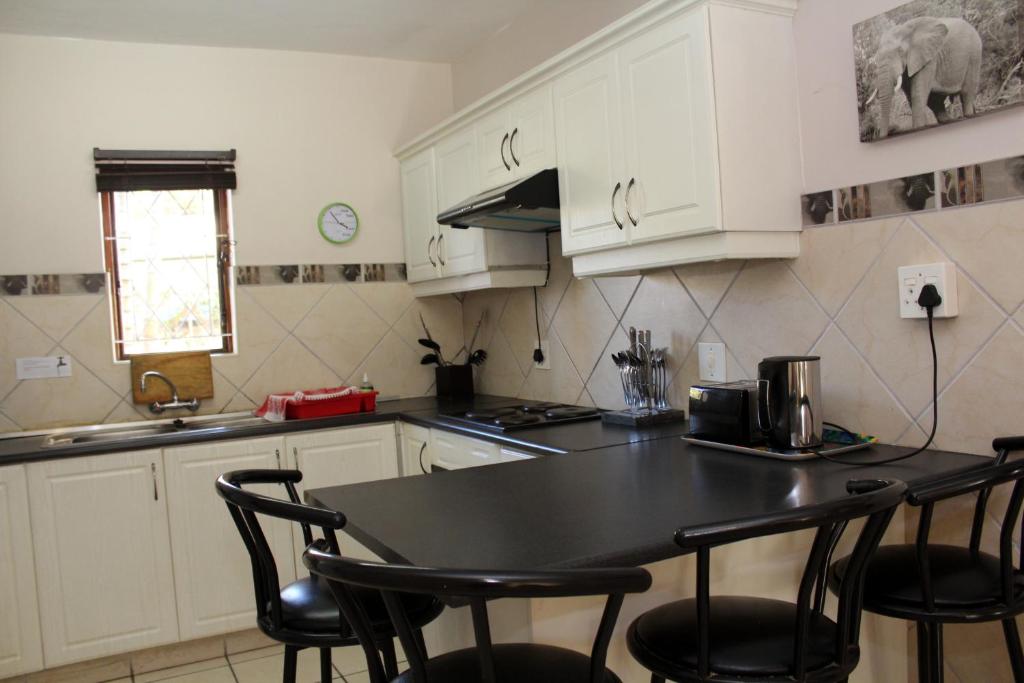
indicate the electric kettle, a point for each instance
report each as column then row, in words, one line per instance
column 789, row 401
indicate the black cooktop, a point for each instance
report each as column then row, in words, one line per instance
column 512, row 418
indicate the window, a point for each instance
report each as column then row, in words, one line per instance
column 166, row 229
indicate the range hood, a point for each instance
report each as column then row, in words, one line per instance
column 526, row 205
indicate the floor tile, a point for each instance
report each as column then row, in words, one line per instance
column 239, row 657
column 219, row 675
column 175, row 673
column 269, row 669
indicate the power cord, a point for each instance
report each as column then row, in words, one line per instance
column 538, row 353
column 929, row 299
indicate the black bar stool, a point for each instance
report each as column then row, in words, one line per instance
column 304, row 614
column 934, row 584
column 486, row 663
column 737, row 639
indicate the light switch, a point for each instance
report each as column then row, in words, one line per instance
column 43, row 367
column 711, row 356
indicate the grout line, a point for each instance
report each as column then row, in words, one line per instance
column 867, row 272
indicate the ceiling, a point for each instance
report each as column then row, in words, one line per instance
column 421, row 30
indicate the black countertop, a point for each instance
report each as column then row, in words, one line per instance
column 425, row 411
column 614, row 506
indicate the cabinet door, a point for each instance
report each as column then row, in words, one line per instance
column 212, row 570
column 415, row 449
column 669, row 129
column 419, row 216
column 531, row 147
column 509, row 455
column 588, row 134
column 343, row 456
column 20, row 648
column 492, row 135
column 452, row 452
column 103, row 555
column 459, row 251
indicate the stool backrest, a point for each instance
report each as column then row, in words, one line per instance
column 981, row 480
column 875, row 500
column 474, row 587
column 244, row 506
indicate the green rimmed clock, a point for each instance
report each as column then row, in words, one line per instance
column 338, row 223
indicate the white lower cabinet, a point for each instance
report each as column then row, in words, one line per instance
column 212, row 570
column 338, row 457
column 415, row 446
column 103, row 555
column 510, row 455
column 452, row 452
column 21, row 650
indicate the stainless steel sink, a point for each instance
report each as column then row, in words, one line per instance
column 106, row 434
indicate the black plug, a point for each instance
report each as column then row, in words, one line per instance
column 929, row 298
column 538, row 355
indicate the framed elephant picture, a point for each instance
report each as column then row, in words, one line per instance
column 931, row 62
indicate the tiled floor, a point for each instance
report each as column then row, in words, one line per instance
column 261, row 666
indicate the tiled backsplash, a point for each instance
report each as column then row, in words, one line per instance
column 289, row 337
column 838, row 299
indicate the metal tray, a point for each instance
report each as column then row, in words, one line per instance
column 830, row 448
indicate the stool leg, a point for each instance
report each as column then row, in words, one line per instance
column 387, row 648
column 291, row 660
column 326, row 672
column 923, row 675
column 1014, row 648
column 935, row 657
column 655, row 678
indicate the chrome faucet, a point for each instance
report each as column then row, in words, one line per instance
column 158, row 407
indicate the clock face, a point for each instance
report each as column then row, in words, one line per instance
column 338, row 222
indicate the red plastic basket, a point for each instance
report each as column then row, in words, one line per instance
column 362, row 402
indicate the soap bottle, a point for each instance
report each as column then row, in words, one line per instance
column 366, row 386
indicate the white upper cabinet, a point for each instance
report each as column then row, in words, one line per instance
column 674, row 131
column 419, row 215
column 212, row 570
column 21, row 650
column 459, row 251
column 103, row 555
column 591, row 169
column 669, row 132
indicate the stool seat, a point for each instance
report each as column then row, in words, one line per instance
column 308, row 605
column 748, row 637
column 962, row 581
column 513, row 663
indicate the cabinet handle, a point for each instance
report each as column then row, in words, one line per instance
column 430, row 245
column 277, row 454
column 503, row 159
column 156, row 490
column 618, row 186
column 423, row 448
column 511, row 149
column 439, row 257
column 629, row 191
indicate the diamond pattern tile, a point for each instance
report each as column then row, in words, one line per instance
column 766, row 313
column 394, row 368
column 519, row 326
column 990, row 247
column 502, row 374
column 259, row 334
column 852, row 395
column 56, row 315
column 662, row 305
column 443, row 315
column 561, row 383
column 20, row 338
column 834, row 259
column 7, row 424
column 708, row 282
column 91, row 342
column 559, row 276
column 617, row 291
column 389, row 300
column 898, row 349
column 341, row 330
column 584, row 324
column 489, row 303
column 290, row 367
column 288, row 304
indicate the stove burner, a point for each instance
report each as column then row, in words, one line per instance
column 507, row 418
column 542, row 407
column 489, row 415
column 516, row 420
column 569, row 411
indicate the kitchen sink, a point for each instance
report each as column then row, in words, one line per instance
column 102, row 434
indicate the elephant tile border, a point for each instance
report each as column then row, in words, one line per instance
column 315, row 273
column 990, row 181
column 52, row 283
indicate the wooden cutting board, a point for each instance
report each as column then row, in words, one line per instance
column 191, row 372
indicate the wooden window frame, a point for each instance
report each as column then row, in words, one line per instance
column 222, row 213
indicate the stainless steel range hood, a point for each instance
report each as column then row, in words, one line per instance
column 526, row 205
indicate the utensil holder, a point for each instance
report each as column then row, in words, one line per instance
column 454, row 381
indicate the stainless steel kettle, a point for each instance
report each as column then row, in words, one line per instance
column 789, row 401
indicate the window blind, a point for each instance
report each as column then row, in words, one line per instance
column 119, row 170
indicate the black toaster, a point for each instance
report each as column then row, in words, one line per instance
column 726, row 413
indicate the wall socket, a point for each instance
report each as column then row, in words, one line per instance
column 711, row 356
column 546, row 363
column 913, row 278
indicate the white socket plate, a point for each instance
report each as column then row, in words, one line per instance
column 913, row 278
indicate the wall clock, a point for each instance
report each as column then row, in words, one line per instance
column 338, row 223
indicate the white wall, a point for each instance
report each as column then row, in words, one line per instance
column 309, row 129
column 529, row 40
column 833, row 154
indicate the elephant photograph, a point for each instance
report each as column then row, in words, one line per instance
column 931, row 62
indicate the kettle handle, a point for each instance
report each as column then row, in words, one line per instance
column 764, row 417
